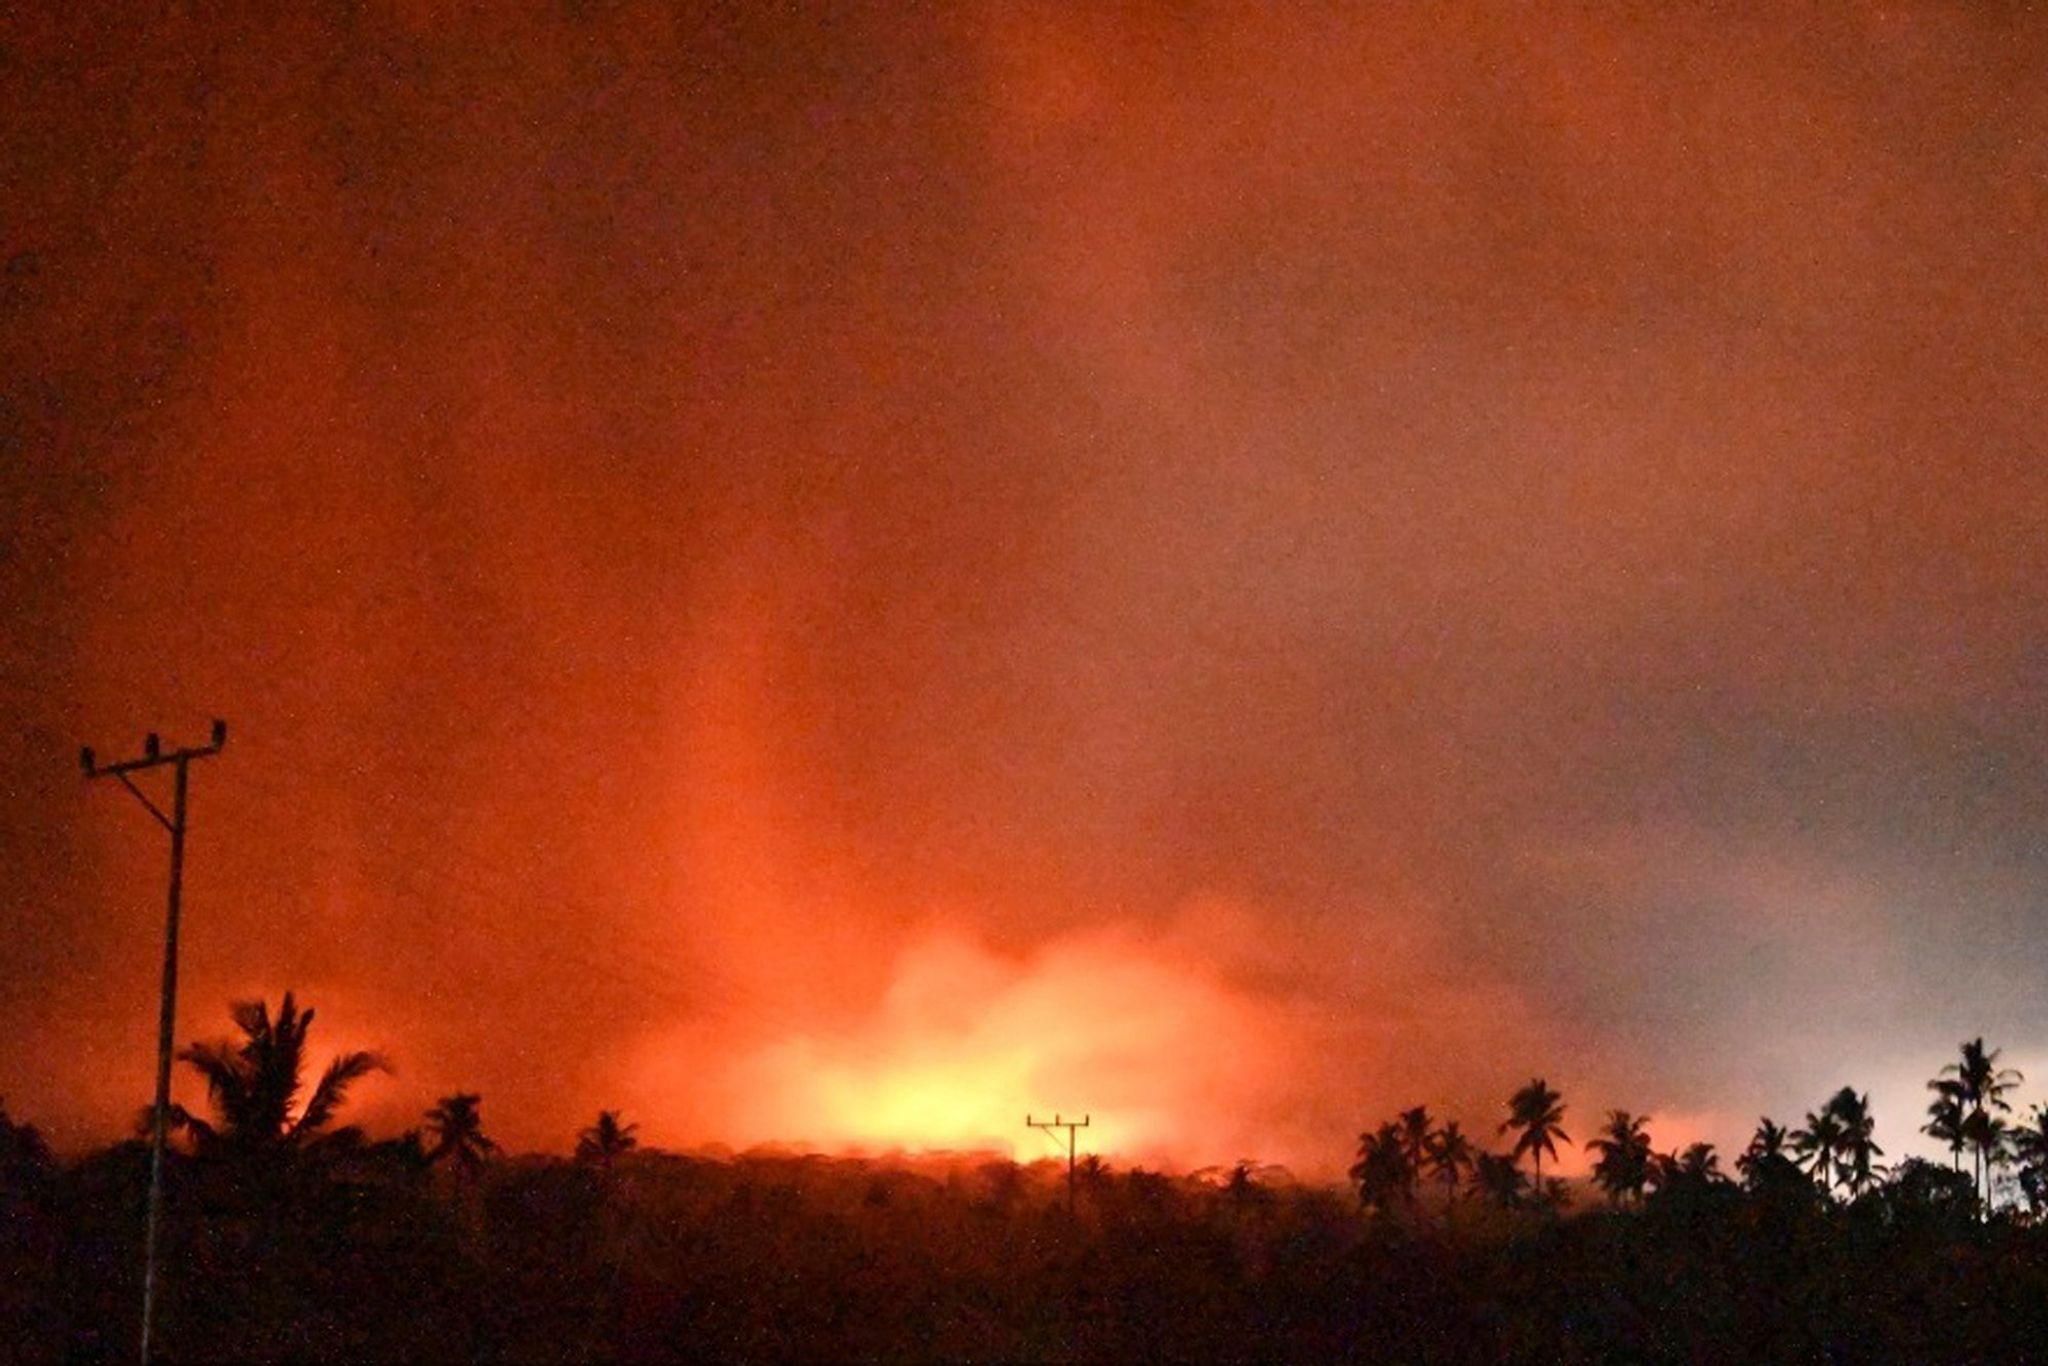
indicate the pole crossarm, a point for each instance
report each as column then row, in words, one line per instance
column 1071, row 1126
column 99, row 770
column 153, row 755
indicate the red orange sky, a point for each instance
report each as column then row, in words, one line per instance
column 841, row 579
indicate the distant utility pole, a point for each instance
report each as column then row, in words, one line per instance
column 1048, row 1125
column 153, row 756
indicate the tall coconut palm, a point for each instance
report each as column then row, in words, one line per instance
column 1982, row 1085
column 1989, row 1139
column 1945, row 1116
column 1767, row 1142
column 1984, row 1081
column 1382, row 1172
column 456, row 1124
column 253, row 1084
column 1450, row 1155
column 1693, row 1171
column 1817, row 1144
column 606, row 1141
column 1624, row 1164
column 2030, row 1150
column 1700, row 1163
column 1765, row 1163
column 1415, row 1130
column 1538, row 1113
column 1855, row 1147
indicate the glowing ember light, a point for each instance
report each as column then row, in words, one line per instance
column 926, row 1103
column 965, row 1041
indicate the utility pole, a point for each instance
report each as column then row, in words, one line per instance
column 1070, row 1125
column 153, row 756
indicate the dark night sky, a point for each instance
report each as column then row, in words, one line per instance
column 839, row 580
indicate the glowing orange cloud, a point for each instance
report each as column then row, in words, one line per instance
column 1196, row 1041
column 966, row 1040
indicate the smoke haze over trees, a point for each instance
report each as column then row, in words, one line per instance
column 316, row 1240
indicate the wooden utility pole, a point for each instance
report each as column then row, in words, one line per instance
column 1070, row 1125
column 153, row 756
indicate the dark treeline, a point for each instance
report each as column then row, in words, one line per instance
column 291, row 1236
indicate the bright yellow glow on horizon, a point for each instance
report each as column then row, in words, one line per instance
column 960, row 1103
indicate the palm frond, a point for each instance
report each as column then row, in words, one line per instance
column 181, row 1120
column 333, row 1088
column 217, row 1063
column 253, row 1017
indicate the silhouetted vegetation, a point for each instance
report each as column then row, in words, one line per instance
column 606, row 1141
column 437, row 1246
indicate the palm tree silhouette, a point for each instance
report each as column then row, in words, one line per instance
column 1989, row 1139
column 1691, row 1173
column 254, row 1084
column 456, row 1124
column 1818, row 1143
column 1449, row 1153
column 1499, row 1180
column 1094, row 1177
column 1537, row 1111
column 1765, row 1163
column 1624, row 1148
column 1382, row 1170
column 2030, row 1149
column 1700, row 1163
column 1415, row 1129
column 1945, row 1116
column 1767, row 1142
column 1855, row 1147
column 606, row 1141
column 1981, row 1085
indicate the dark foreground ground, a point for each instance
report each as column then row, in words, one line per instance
column 371, row 1255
